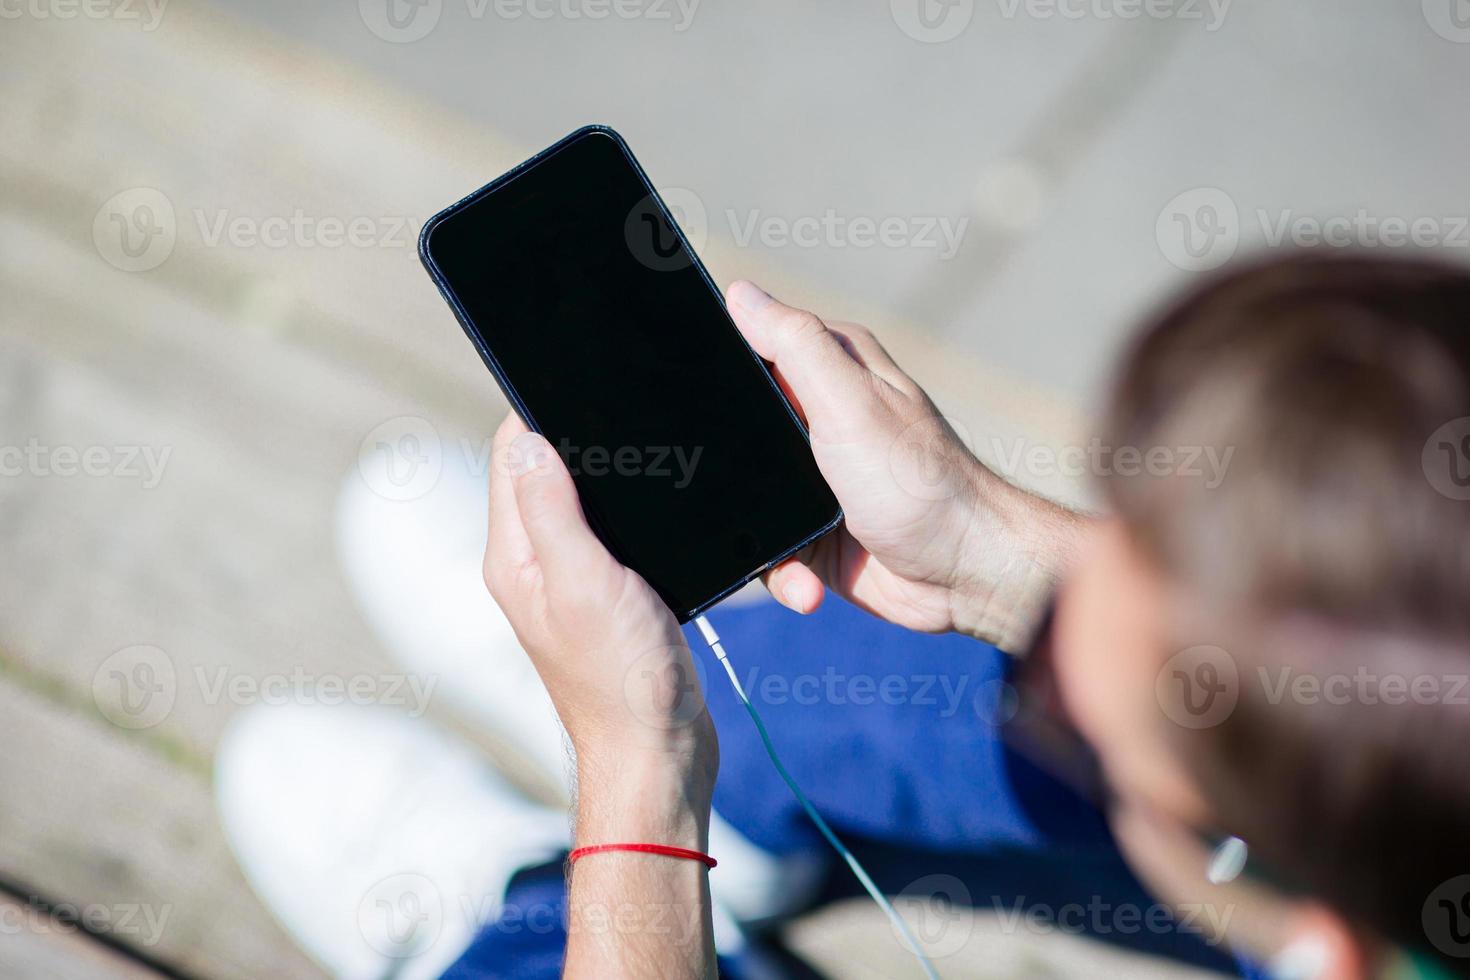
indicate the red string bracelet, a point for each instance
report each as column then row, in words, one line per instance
column 664, row 849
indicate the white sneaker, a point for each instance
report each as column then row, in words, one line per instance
column 414, row 568
column 380, row 843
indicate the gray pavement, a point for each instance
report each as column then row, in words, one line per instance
column 1048, row 136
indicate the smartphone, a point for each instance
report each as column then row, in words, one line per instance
column 607, row 335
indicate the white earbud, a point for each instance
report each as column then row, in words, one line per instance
column 1303, row 959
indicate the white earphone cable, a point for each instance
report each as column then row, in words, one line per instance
column 712, row 638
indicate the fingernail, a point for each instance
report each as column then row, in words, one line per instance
column 528, row 452
column 793, row 596
column 748, row 296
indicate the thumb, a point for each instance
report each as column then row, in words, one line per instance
column 823, row 376
column 551, row 513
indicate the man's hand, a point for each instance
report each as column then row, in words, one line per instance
column 623, row 682
column 932, row 539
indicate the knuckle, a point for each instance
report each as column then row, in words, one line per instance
column 909, row 389
column 879, row 402
column 805, row 324
column 799, row 326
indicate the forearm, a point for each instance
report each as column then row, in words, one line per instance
column 640, row 915
column 1016, row 547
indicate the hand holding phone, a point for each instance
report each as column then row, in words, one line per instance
column 609, row 650
column 931, row 539
column 609, row 338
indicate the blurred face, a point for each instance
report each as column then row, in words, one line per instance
column 1112, row 641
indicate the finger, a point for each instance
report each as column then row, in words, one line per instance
column 749, row 329
column 507, row 546
column 795, row 586
column 825, row 378
column 869, row 351
column 569, row 554
column 785, row 387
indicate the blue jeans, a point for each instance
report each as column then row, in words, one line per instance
column 893, row 736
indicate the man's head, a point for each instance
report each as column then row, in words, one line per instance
column 1283, row 655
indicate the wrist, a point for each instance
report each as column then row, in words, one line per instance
column 1013, row 548
column 643, row 797
column 632, row 914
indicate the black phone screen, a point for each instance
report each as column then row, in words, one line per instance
column 610, row 339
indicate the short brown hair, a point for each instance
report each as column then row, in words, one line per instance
column 1326, row 548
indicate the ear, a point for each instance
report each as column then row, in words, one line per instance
column 1320, row 944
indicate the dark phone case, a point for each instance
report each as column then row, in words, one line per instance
column 514, row 397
